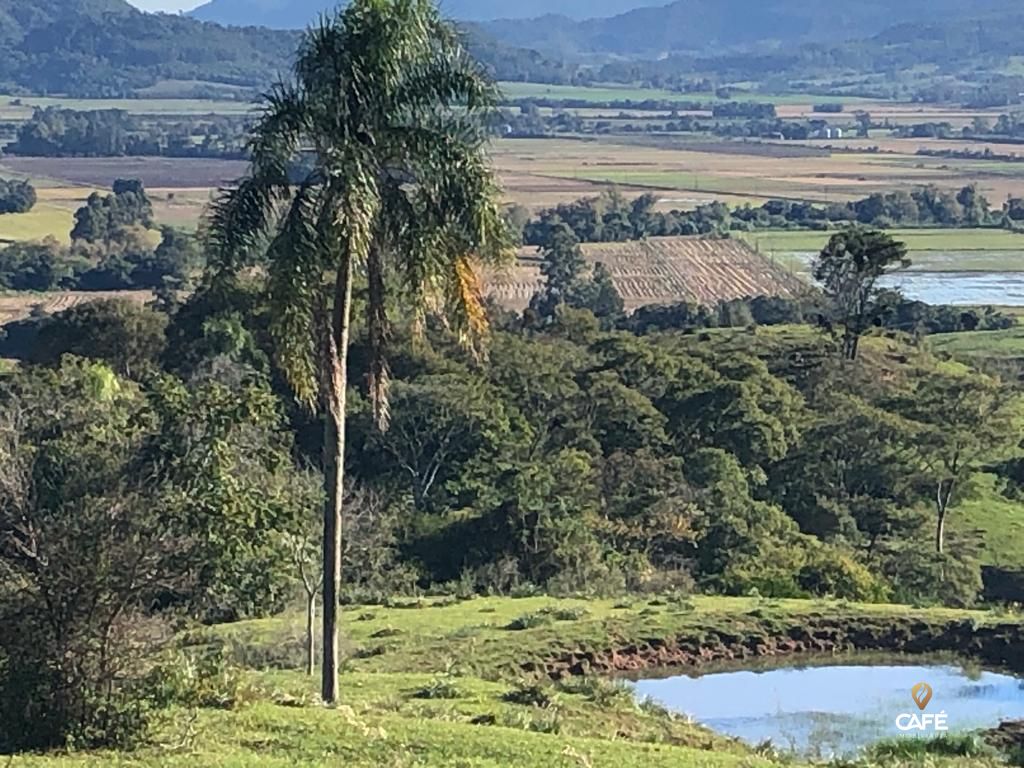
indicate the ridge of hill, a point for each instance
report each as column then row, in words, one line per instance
column 704, row 26
column 291, row 14
column 108, row 48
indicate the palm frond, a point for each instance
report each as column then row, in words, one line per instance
column 297, row 294
column 241, row 216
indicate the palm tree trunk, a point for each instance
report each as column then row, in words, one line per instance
column 334, row 475
column 310, row 633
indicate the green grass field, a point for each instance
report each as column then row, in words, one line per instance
column 916, row 239
column 992, row 345
column 931, row 250
column 42, row 221
column 436, row 683
column 999, row 520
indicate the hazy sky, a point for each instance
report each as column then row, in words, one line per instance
column 166, row 5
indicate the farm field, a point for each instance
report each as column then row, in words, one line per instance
column 979, row 249
column 613, row 92
column 748, row 171
column 661, row 271
column 43, row 221
column 963, row 267
column 992, row 345
column 100, row 172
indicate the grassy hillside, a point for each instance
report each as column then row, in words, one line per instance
column 437, row 683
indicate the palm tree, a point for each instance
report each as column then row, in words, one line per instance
column 368, row 164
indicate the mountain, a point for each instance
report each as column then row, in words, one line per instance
column 291, row 14
column 109, row 48
column 704, row 26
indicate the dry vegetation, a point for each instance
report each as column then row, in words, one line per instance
column 662, row 270
column 18, row 306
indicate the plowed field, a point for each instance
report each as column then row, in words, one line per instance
column 662, row 270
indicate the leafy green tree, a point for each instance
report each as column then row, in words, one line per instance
column 850, row 477
column 849, row 269
column 965, row 420
column 103, row 217
column 16, row 196
column 222, row 469
column 976, row 207
column 125, row 335
column 562, row 266
column 82, row 553
column 400, row 185
column 34, row 267
column 600, row 296
column 440, row 424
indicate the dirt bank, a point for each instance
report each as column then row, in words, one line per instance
column 999, row 644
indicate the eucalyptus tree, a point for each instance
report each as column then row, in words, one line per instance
column 369, row 163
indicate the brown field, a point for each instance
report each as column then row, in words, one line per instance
column 156, row 172
column 756, row 173
column 18, row 306
column 540, row 173
column 661, row 270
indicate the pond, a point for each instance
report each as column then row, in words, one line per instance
column 837, row 710
column 1004, row 289
column 970, row 288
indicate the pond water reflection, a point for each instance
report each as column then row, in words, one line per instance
column 829, row 710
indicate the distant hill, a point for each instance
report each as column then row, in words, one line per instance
column 703, row 26
column 291, row 14
column 109, row 48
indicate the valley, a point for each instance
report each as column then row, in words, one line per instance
column 606, row 384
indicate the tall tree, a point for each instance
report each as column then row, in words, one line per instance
column 391, row 113
column 965, row 421
column 849, row 269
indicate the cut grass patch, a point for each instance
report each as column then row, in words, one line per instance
column 918, row 241
column 43, row 221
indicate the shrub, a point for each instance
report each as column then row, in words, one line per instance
column 203, row 680
column 568, row 614
column 528, row 695
column 832, row 573
column 441, row 688
column 529, row 621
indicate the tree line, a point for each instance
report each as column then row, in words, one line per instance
column 609, row 217
column 56, row 132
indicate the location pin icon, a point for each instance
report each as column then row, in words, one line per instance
column 922, row 694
